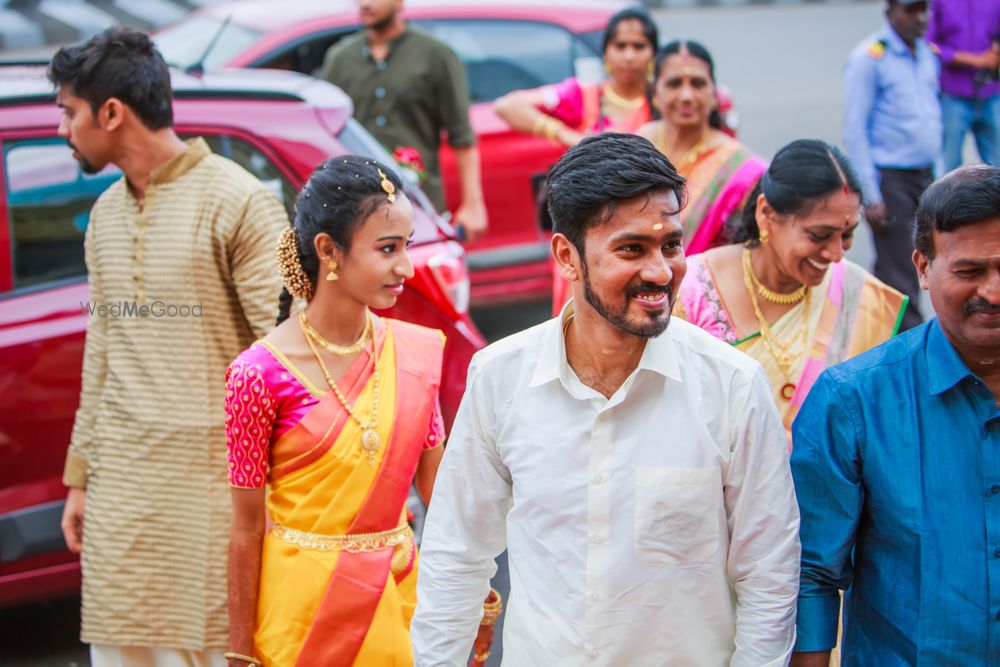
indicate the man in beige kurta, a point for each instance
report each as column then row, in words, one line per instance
column 182, row 258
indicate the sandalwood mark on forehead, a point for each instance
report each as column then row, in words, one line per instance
column 658, row 226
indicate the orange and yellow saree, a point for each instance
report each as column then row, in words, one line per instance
column 338, row 567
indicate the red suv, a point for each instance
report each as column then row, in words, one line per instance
column 279, row 126
column 505, row 45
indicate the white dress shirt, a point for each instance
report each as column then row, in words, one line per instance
column 657, row 527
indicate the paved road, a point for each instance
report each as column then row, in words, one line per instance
column 783, row 65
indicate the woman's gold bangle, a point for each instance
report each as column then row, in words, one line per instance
column 481, row 657
column 492, row 607
column 538, row 127
column 249, row 659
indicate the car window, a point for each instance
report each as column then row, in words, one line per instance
column 251, row 158
column 501, row 56
column 304, row 55
column 49, row 201
column 201, row 36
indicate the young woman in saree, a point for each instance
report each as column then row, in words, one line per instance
column 335, row 412
column 720, row 171
column 783, row 293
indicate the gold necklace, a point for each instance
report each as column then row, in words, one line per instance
column 773, row 297
column 691, row 155
column 333, row 348
column 620, row 101
column 779, row 349
column 370, row 442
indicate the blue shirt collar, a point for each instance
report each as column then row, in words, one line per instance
column 945, row 368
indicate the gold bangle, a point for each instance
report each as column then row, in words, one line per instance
column 492, row 607
column 250, row 660
column 538, row 127
column 552, row 129
column 481, row 657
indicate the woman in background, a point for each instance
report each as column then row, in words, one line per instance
column 720, row 171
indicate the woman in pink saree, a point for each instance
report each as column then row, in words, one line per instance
column 784, row 293
column 720, row 171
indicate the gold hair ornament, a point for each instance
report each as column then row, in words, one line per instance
column 390, row 189
column 292, row 274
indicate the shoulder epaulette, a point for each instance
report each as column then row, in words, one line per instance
column 877, row 49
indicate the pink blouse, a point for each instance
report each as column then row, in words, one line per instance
column 263, row 401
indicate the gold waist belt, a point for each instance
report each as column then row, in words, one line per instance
column 358, row 543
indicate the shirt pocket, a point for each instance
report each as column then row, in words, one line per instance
column 676, row 514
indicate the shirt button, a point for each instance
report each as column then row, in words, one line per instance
column 593, row 653
column 595, row 596
column 381, row 121
column 380, row 92
column 598, row 478
column 597, row 538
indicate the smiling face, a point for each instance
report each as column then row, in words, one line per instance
column 375, row 267
column 803, row 246
column 685, row 91
column 82, row 130
column 629, row 53
column 964, row 284
column 634, row 263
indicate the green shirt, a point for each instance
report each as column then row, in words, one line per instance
column 419, row 90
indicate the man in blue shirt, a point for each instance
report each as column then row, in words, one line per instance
column 892, row 132
column 896, row 462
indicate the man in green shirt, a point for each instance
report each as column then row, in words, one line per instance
column 407, row 87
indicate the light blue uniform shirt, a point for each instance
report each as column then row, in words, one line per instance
column 892, row 116
column 896, row 462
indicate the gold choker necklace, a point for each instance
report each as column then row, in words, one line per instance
column 620, row 101
column 333, row 348
column 769, row 295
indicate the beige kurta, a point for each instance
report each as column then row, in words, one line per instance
column 149, row 441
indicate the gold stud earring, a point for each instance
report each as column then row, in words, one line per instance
column 332, row 266
column 765, row 236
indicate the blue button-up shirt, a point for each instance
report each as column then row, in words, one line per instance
column 896, row 462
column 892, row 116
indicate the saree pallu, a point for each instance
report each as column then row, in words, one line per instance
column 850, row 311
column 719, row 182
column 338, row 570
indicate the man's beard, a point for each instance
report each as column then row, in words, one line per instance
column 619, row 317
column 383, row 24
column 85, row 166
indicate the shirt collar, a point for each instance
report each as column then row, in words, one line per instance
column 945, row 368
column 659, row 355
column 181, row 164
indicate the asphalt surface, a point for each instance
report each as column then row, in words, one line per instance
column 783, row 65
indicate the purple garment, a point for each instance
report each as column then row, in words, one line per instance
column 964, row 25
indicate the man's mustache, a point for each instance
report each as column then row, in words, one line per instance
column 980, row 305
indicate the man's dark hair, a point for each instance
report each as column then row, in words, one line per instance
column 601, row 170
column 966, row 196
column 120, row 63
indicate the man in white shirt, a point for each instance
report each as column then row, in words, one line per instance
column 637, row 475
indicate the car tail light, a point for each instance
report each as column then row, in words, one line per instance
column 445, row 265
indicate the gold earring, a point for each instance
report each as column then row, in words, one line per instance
column 332, row 275
column 765, row 236
column 649, row 71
